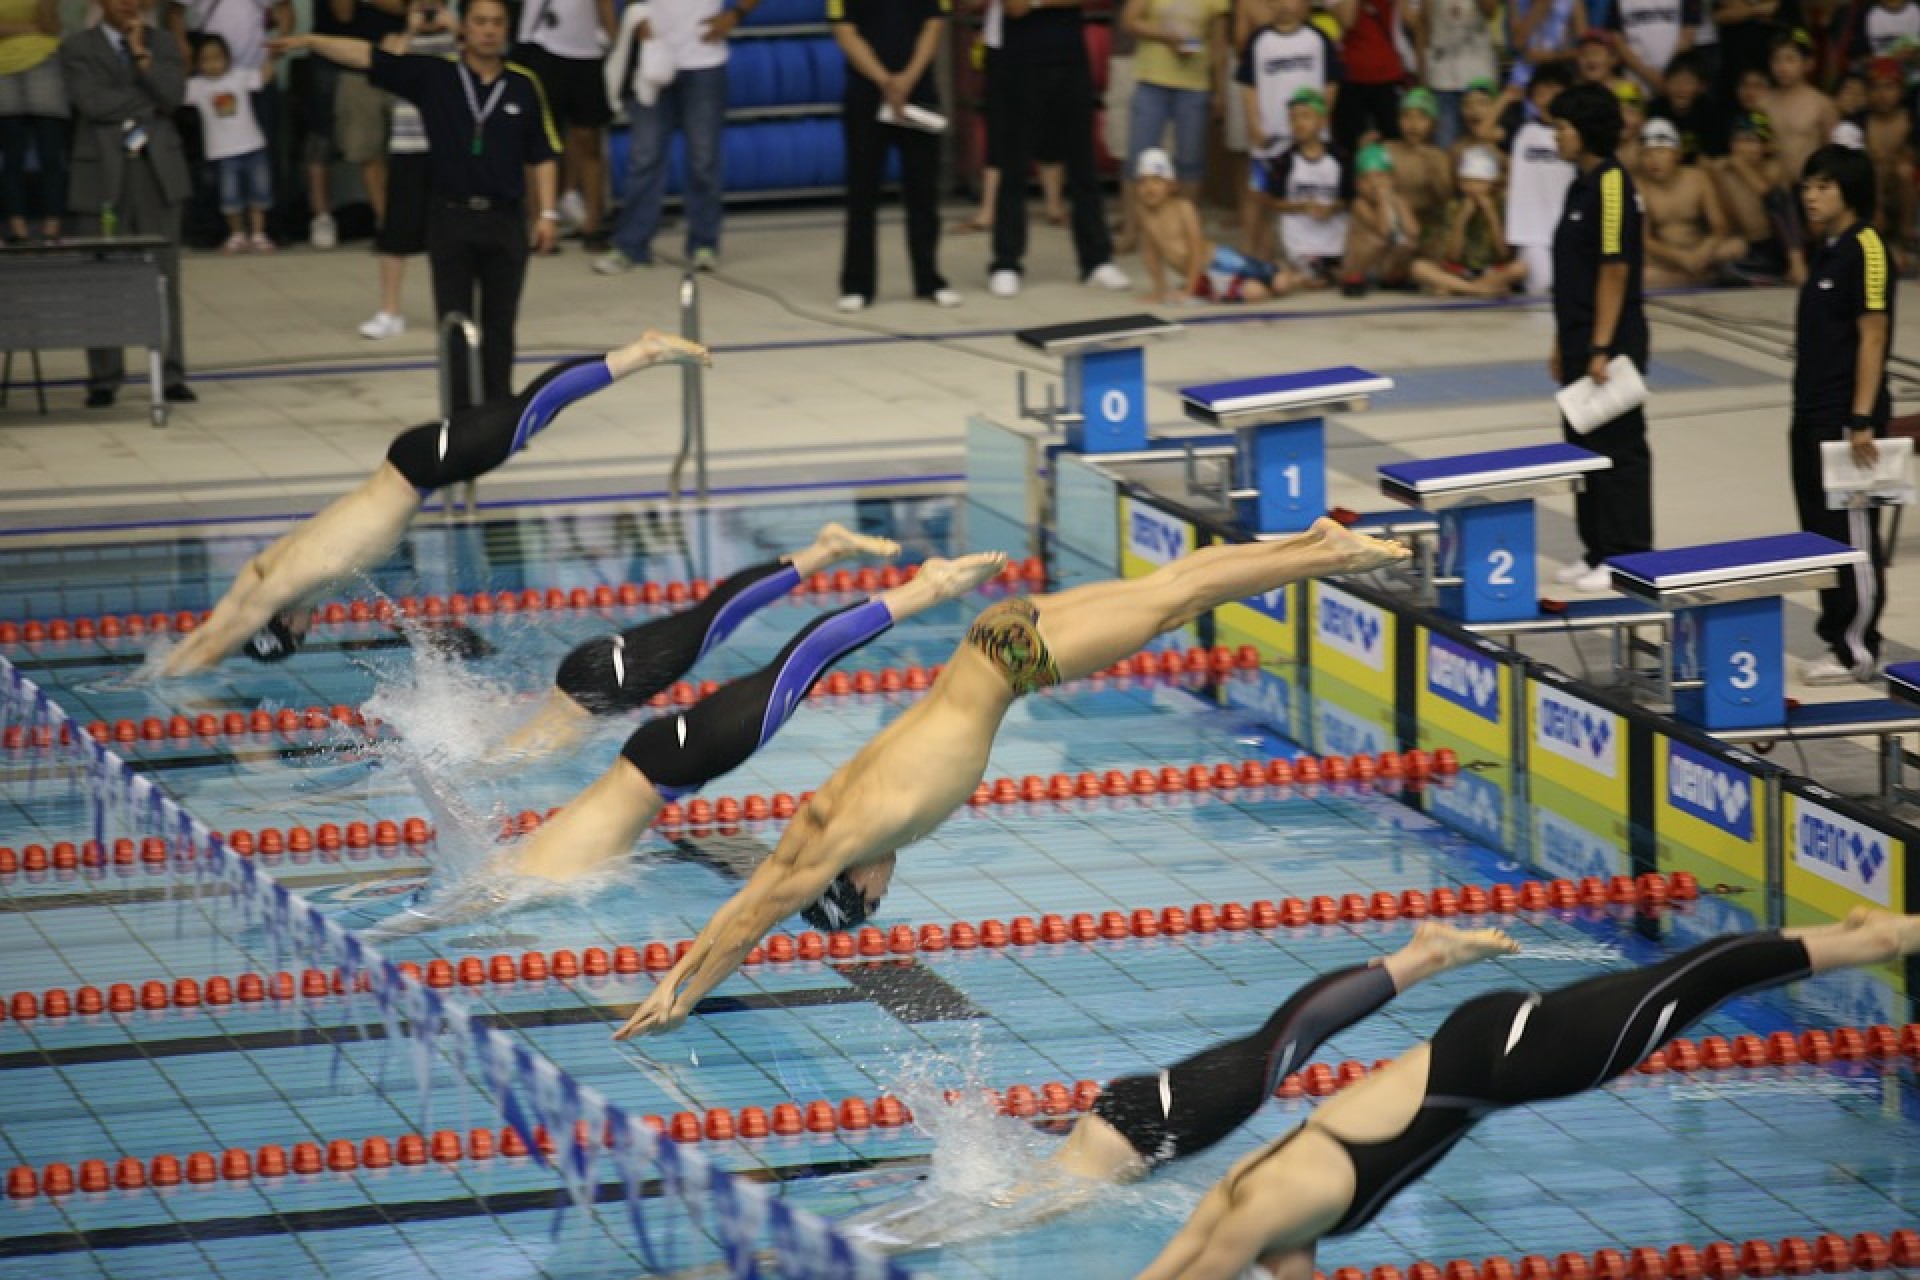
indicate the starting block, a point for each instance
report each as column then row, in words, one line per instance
column 1279, row 427
column 1103, row 407
column 1728, row 663
column 1485, row 505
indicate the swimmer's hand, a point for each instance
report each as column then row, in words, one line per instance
column 658, row 1014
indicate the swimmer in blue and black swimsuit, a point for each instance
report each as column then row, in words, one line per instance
column 1334, row 1173
column 268, row 608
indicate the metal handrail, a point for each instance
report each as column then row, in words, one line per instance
column 693, row 405
column 451, row 324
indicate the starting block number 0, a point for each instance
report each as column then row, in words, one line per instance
column 1114, row 405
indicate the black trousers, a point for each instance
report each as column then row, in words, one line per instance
column 484, row 250
column 1849, row 621
column 1054, row 102
column 1364, row 107
column 1614, row 512
column 867, row 142
column 142, row 209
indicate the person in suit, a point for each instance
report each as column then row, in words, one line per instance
column 125, row 80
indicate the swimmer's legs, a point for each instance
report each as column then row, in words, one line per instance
column 1090, row 628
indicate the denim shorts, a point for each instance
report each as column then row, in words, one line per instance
column 246, row 181
column 1154, row 107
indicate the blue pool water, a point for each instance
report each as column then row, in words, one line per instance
column 1650, row 1161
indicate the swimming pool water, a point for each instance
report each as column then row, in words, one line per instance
column 1654, row 1160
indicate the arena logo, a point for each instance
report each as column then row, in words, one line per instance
column 1351, row 627
column 1271, row 603
column 1842, row 851
column 1342, row 733
column 1472, row 805
column 1267, row 696
column 1155, row 537
column 1575, row 730
column 1564, row 848
column 1463, row 677
column 1704, row 788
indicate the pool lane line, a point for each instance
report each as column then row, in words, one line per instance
column 1651, row 892
column 1052, row 1100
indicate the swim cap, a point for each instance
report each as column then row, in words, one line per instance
column 274, row 642
column 1420, row 99
column 1374, row 158
column 1756, row 123
column 1327, row 25
column 1483, row 84
column 1309, row 96
column 1660, row 133
column 1627, row 92
column 1153, row 163
column 1849, row 135
column 1885, row 68
column 840, row 908
column 1480, row 164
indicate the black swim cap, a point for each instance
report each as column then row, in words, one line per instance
column 843, row 906
column 274, row 642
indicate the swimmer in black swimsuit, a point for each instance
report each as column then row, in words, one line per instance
column 269, row 607
column 835, row 858
column 1506, row 1049
column 622, row 672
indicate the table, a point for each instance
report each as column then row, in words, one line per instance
column 88, row 293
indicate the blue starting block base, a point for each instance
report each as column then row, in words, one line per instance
column 1729, row 652
column 1279, row 427
column 1486, row 571
column 1104, row 371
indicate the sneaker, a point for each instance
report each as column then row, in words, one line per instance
column 1829, row 671
column 615, row 262
column 1595, row 580
column 945, row 298
column 573, row 211
column 705, row 259
column 236, row 243
column 384, row 324
column 851, row 302
column 260, row 243
column 322, row 233
column 1108, row 276
column 1004, row 284
column 1568, row 574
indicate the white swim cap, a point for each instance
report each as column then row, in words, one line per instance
column 1849, row 135
column 1153, row 163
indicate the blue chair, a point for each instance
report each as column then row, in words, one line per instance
column 829, row 71
column 741, row 155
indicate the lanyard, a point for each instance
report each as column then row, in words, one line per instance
column 474, row 109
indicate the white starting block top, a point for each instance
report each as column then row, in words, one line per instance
column 1721, row 572
column 1280, row 397
column 1501, row 475
column 1114, row 333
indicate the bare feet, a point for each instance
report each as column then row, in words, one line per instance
column 837, row 542
column 951, row 579
column 1356, row 552
column 1905, row 930
column 1450, row 948
column 654, row 347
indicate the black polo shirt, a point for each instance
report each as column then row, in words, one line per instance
column 1848, row 276
column 518, row 130
column 892, row 29
column 1600, row 223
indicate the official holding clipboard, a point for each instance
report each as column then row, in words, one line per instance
column 1599, row 314
column 1842, row 332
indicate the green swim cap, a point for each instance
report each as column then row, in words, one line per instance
column 1483, row 84
column 1421, row 99
column 1374, row 158
column 1310, row 96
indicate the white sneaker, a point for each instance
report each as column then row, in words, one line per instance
column 1829, row 671
column 236, row 243
column 852, row 302
column 385, row 324
column 1108, row 276
column 614, row 262
column 1004, row 284
column 1596, row 580
column 945, row 298
column 322, row 233
column 573, row 211
column 1568, row 574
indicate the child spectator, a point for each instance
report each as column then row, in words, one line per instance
column 1651, row 34
column 1475, row 260
column 1310, row 186
column 1171, row 238
column 1889, row 137
column 1422, row 172
column 1544, row 31
column 1455, row 40
column 1750, row 94
column 1280, row 59
column 402, row 234
column 223, row 95
column 1850, row 96
column 1759, row 207
column 1701, row 120
column 1803, row 117
column 1481, row 108
column 1688, row 236
column 1537, row 178
column 1597, row 60
column 1884, row 27
column 1382, row 232
column 1633, row 117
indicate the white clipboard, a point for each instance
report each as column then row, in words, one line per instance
column 914, row 117
column 1587, row 404
column 1887, row 484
